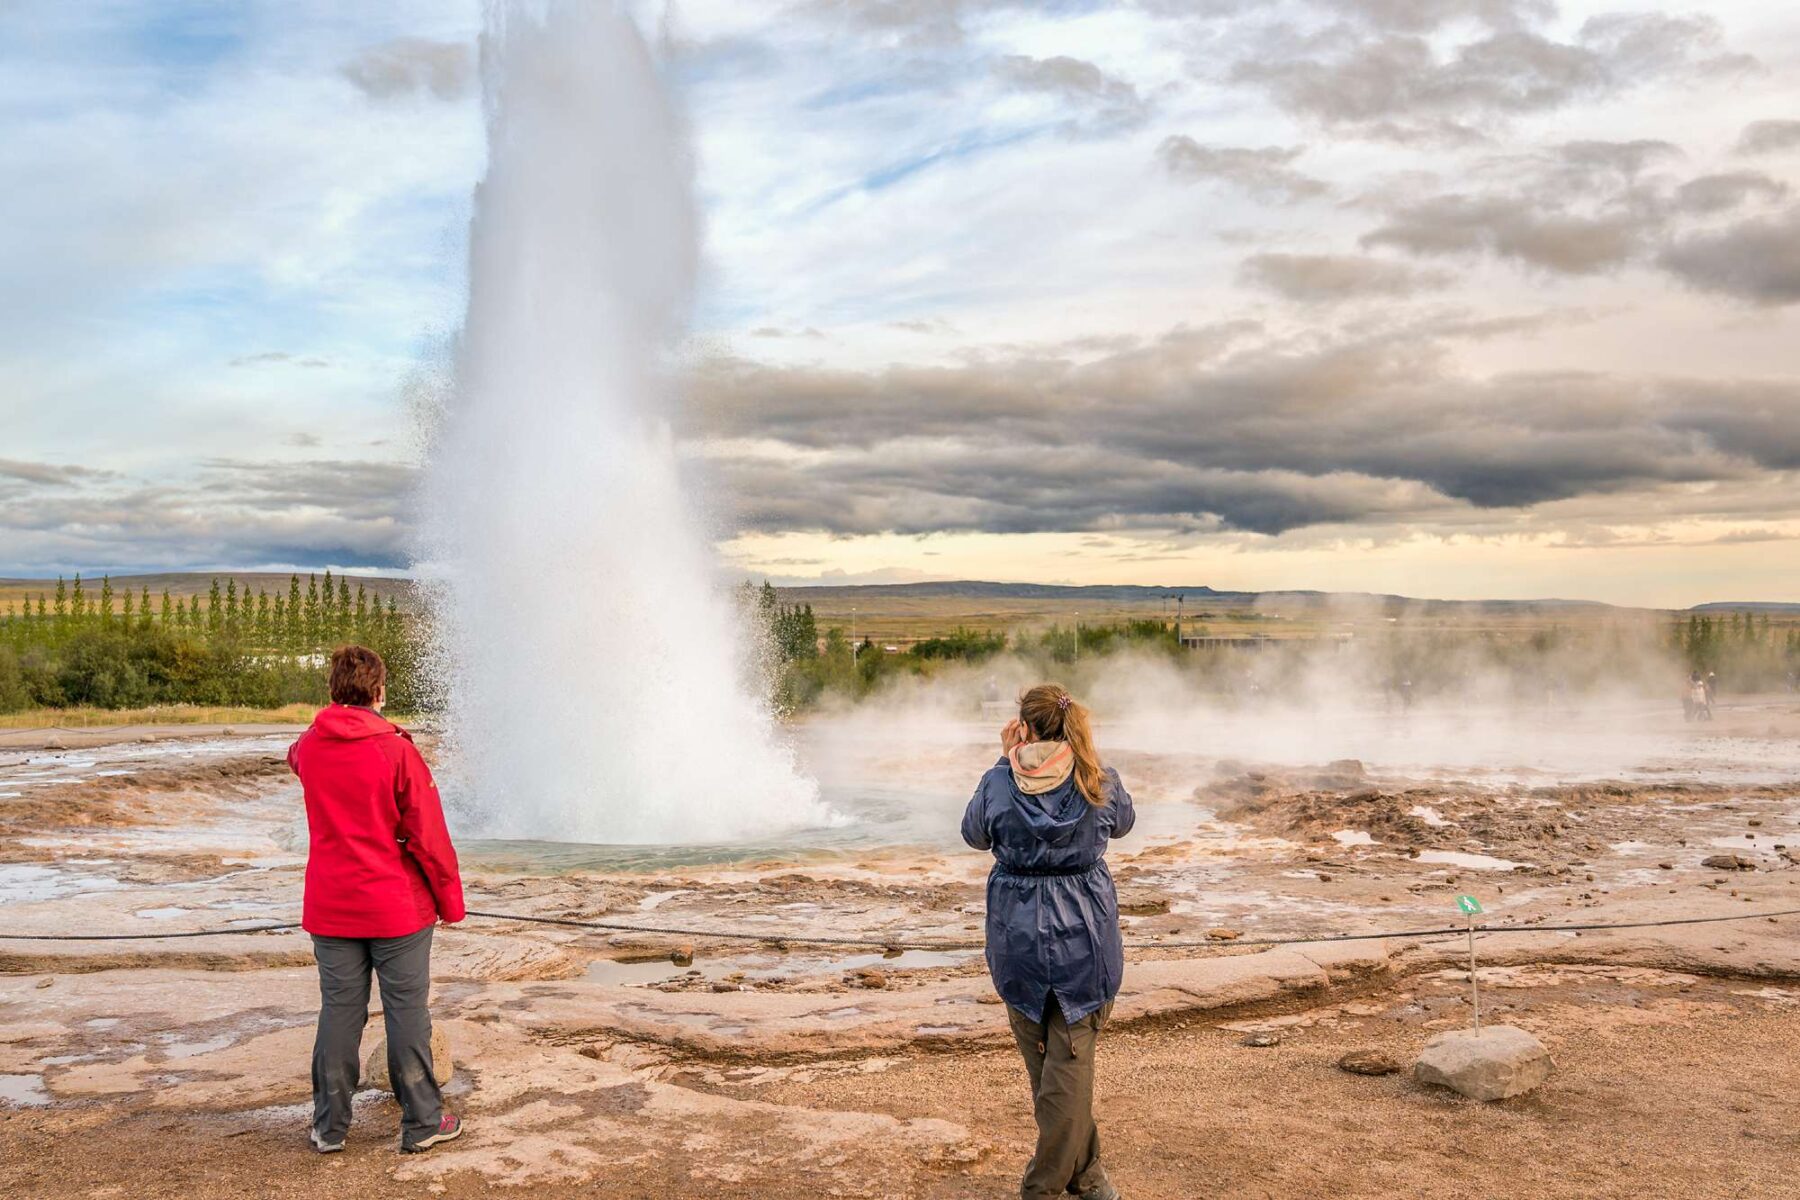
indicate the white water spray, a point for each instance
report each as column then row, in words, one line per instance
column 592, row 668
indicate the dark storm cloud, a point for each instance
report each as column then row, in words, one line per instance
column 1106, row 104
column 1756, row 260
column 1400, row 86
column 410, row 66
column 1215, row 428
column 1263, row 172
column 1327, row 278
column 1769, row 137
column 235, row 513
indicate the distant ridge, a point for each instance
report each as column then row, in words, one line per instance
column 1144, row 594
column 1761, row 606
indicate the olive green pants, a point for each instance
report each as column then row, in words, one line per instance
column 1060, row 1059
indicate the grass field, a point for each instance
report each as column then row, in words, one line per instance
column 165, row 714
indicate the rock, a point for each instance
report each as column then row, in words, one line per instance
column 1728, row 862
column 1368, row 1062
column 1665, row 866
column 867, row 977
column 375, row 1071
column 682, row 956
column 46, row 981
column 720, row 985
column 147, row 738
column 1498, row 1063
column 1324, row 877
column 55, row 744
column 1262, row 1037
column 1221, row 934
column 1143, row 906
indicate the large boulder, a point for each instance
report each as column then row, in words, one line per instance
column 375, row 1072
column 1498, row 1063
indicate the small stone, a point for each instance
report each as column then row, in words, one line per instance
column 375, row 1068
column 867, row 977
column 1755, row 822
column 682, row 956
column 46, row 981
column 1497, row 1063
column 1222, row 934
column 1728, row 862
column 1262, row 1037
column 55, row 744
column 720, row 985
column 1324, row 877
column 1665, row 866
column 1144, row 906
column 147, row 738
column 1368, row 1062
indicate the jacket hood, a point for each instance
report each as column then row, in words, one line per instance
column 1054, row 815
column 347, row 723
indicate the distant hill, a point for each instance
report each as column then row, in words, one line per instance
column 1197, row 596
column 1755, row 606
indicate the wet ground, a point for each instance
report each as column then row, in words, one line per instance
column 589, row 1056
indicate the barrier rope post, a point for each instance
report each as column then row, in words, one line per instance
column 1470, row 906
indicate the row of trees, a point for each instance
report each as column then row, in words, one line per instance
column 1744, row 648
column 120, row 648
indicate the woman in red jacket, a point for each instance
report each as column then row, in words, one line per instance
column 380, row 873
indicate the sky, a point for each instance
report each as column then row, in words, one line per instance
column 1453, row 298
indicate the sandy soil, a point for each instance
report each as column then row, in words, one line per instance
column 178, row 1068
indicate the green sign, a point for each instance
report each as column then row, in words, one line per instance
column 1469, row 905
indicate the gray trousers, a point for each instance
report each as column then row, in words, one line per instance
column 404, row 967
column 1060, row 1059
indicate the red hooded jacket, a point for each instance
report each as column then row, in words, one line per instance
column 381, row 863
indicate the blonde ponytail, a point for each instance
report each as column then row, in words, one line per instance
column 1053, row 715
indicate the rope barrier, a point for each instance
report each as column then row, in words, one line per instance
column 892, row 944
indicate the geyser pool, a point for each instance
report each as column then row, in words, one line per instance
column 594, row 674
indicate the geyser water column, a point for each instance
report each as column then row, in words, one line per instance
column 592, row 667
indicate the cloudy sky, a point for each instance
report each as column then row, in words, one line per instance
column 1446, row 297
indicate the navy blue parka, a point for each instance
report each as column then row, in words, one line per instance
column 1052, row 912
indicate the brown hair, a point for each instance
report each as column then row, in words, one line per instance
column 1052, row 715
column 357, row 675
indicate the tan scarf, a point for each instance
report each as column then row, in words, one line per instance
column 1039, row 767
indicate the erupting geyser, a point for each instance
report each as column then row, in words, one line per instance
column 593, row 670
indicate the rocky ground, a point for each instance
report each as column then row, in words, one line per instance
column 178, row 1068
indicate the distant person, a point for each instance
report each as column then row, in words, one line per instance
column 1047, row 810
column 1712, row 689
column 380, row 873
column 1697, row 702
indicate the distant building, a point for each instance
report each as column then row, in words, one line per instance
column 1208, row 641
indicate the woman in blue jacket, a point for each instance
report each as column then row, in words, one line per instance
column 1047, row 810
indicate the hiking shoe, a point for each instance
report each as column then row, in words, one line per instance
column 323, row 1146
column 1102, row 1191
column 448, row 1130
